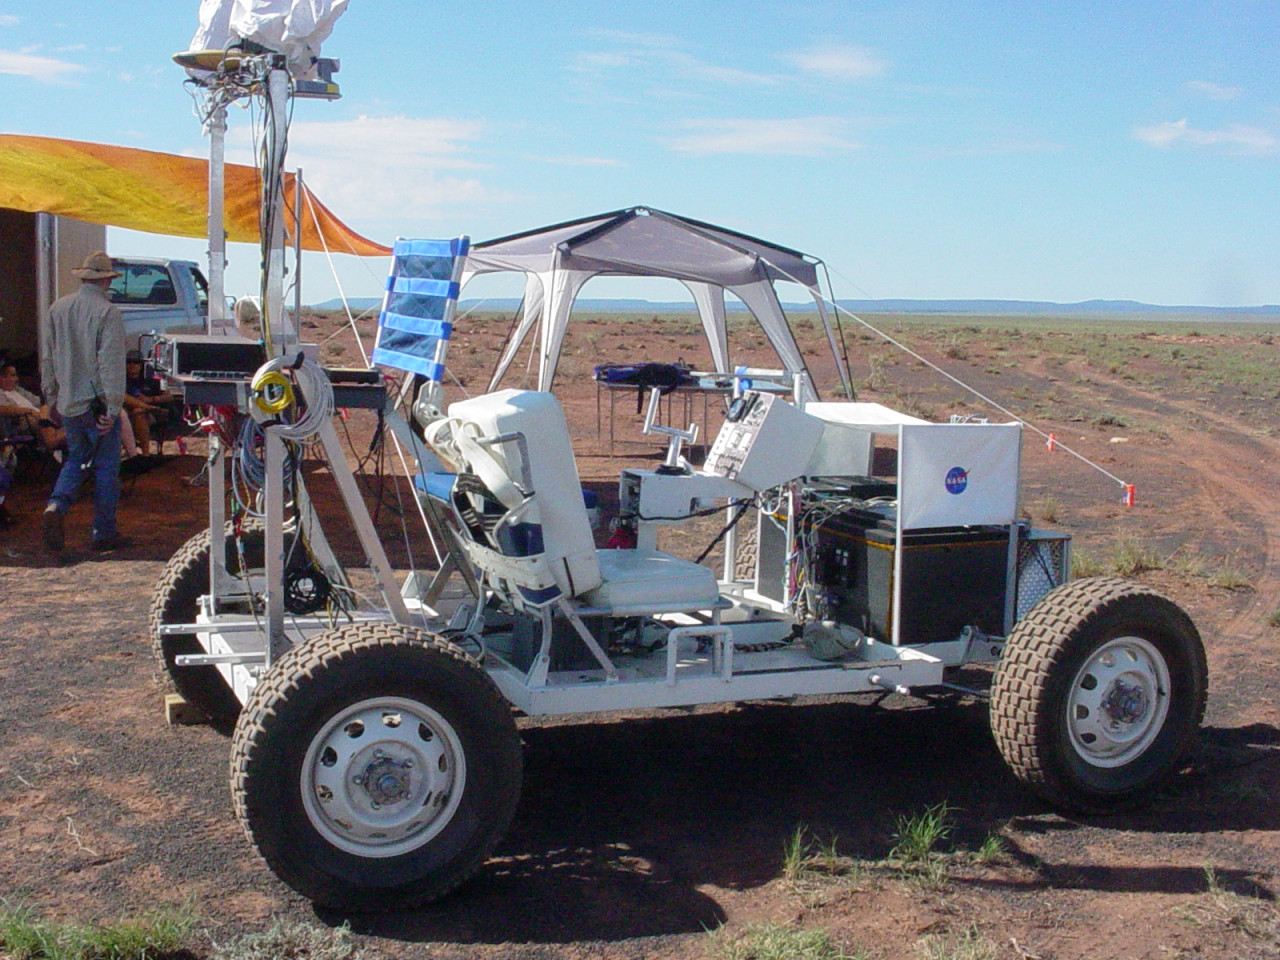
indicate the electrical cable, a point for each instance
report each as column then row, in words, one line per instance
column 744, row 506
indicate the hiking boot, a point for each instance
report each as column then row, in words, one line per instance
column 51, row 527
column 111, row 543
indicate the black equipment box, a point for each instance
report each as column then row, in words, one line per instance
column 204, row 357
column 216, row 370
column 951, row 577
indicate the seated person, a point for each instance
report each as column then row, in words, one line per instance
column 23, row 415
column 6, row 482
column 145, row 402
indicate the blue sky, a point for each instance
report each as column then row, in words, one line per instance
column 1048, row 151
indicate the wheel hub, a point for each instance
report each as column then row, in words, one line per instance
column 387, row 781
column 1118, row 702
column 1125, row 702
column 383, row 777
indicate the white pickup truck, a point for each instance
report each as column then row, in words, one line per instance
column 159, row 296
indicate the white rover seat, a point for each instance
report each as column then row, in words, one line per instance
column 541, row 550
column 638, row 582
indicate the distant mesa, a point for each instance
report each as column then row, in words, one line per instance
column 983, row 308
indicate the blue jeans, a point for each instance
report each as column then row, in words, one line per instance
column 84, row 445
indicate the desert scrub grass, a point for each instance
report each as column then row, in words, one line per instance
column 916, row 836
column 1273, row 619
column 993, row 849
column 1219, row 907
column 1110, row 420
column 969, row 944
column 25, row 936
column 1130, row 556
column 1050, row 509
column 1085, row 564
column 1229, row 575
column 290, row 940
column 795, row 854
column 774, row 941
column 956, row 348
column 155, row 935
column 915, row 847
column 809, row 864
column 876, row 378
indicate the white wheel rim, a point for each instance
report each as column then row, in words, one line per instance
column 383, row 777
column 1118, row 703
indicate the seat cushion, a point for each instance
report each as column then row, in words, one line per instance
column 648, row 581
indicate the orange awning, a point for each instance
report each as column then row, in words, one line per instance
column 153, row 192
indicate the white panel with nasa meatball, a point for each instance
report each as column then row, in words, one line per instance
column 957, row 475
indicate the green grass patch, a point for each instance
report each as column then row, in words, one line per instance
column 916, row 836
column 774, row 941
column 1130, row 556
column 968, row 944
column 155, row 935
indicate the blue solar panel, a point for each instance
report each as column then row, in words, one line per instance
column 417, row 311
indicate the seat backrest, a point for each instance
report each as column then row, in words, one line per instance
column 554, row 513
column 416, row 320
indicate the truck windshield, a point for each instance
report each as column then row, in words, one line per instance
column 202, row 289
column 143, row 283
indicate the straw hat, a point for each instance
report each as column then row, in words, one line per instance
column 97, row 266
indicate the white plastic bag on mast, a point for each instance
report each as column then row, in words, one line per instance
column 295, row 28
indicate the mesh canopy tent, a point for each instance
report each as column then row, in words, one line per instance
column 643, row 242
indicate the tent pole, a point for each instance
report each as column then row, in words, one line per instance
column 841, row 367
column 297, row 250
column 217, row 127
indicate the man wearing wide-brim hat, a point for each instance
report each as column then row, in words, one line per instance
column 82, row 373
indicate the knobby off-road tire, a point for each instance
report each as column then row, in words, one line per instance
column 1099, row 694
column 176, row 600
column 375, row 767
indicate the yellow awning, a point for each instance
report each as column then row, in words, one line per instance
column 153, row 192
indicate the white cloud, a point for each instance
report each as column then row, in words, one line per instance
column 839, row 62
column 43, row 69
column 1214, row 91
column 572, row 161
column 384, row 168
column 664, row 56
column 1234, row 138
column 796, row 136
column 9, row 20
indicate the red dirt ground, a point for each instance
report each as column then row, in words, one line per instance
column 637, row 834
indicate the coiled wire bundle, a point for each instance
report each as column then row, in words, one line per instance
column 293, row 398
column 275, row 396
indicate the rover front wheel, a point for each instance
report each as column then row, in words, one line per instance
column 1099, row 694
column 375, row 767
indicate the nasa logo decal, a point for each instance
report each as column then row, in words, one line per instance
column 957, row 479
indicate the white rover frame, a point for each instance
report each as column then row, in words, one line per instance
column 726, row 639
column 357, row 710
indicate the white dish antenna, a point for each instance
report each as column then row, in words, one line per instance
column 294, row 28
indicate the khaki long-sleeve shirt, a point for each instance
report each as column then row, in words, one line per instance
column 82, row 355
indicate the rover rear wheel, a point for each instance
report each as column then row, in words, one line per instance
column 176, row 600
